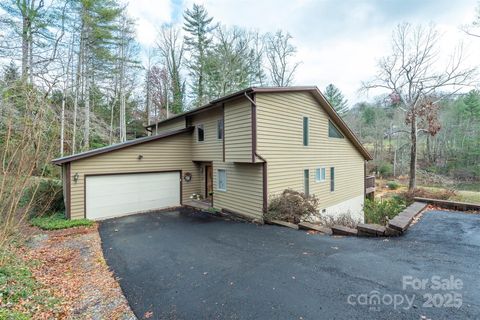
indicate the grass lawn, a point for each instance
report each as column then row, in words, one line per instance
column 58, row 221
column 461, row 195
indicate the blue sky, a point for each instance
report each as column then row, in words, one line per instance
column 338, row 41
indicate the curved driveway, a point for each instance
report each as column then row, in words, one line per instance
column 187, row 265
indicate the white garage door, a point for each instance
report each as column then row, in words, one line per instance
column 115, row 195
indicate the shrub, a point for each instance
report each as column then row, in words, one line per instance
column 343, row 220
column 381, row 211
column 46, row 197
column 385, row 170
column 393, row 185
column 291, row 206
column 58, row 221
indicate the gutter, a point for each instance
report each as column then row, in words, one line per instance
column 256, row 154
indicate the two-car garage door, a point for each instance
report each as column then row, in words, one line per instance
column 119, row 194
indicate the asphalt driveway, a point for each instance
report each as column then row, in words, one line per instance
column 187, row 265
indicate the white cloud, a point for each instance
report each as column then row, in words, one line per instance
column 149, row 15
column 338, row 42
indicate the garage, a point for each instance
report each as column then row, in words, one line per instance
column 113, row 195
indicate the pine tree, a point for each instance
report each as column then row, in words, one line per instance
column 336, row 99
column 198, row 26
column 95, row 54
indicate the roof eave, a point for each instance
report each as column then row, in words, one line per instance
column 205, row 107
column 130, row 143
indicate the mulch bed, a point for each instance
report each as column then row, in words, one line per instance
column 71, row 266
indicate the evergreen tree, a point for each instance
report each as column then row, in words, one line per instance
column 336, row 99
column 198, row 40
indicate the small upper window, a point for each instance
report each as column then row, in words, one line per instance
column 319, row 174
column 200, row 133
column 221, row 180
column 305, row 131
column 220, row 129
column 333, row 131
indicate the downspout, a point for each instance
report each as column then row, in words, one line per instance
column 256, row 154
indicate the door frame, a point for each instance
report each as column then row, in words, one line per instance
column 208, row 165
column 129, row 172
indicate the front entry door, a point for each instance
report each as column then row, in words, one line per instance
column 208, row 181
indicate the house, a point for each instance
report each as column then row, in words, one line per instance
column 234, row 153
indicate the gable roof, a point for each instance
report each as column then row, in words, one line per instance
column 117, row 146
column 317, row 94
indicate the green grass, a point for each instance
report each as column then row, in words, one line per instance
column 58, row 221
column 17, row 285
column 461, row 195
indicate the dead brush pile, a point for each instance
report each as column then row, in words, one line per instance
column 291, row 206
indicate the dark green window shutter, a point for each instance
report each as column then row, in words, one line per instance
column 306, row 181
column 332, row 179
column 305, row 131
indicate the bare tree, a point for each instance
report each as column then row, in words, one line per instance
column 473, row 29
column 171, row 48
column 279, row 52
column 417, row 80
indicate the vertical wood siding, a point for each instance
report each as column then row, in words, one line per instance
column 171, row 153
column 244, row 189
column 238, row 131
column 280, row 141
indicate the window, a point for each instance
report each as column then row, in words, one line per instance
column 333, row 131
column 200, row 133
column 306, row 182
column 220, row 129
column 305, row 131
column 332, row 179
column 319, row 174
column 221, row 180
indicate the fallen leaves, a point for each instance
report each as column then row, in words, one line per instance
column 148, row 315
column 71, row 266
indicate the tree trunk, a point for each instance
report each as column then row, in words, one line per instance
column 413, row 153
column 86, row 132
column 62, row 123
column 30, row 57
column 123, row 124
column 148, row 97
column 25, row 43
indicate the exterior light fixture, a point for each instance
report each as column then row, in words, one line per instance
column 75, row 177
column 140, row 157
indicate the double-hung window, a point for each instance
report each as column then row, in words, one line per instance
column 320, row 174
column 221, row 179
column 220, row 129
column 200, row 133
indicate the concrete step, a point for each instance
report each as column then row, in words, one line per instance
column 282, row 223
column 371, row 229
column 344, row 231
column 404, row 218
column 315, row 227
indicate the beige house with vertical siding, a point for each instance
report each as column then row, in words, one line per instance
column 232, row 154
